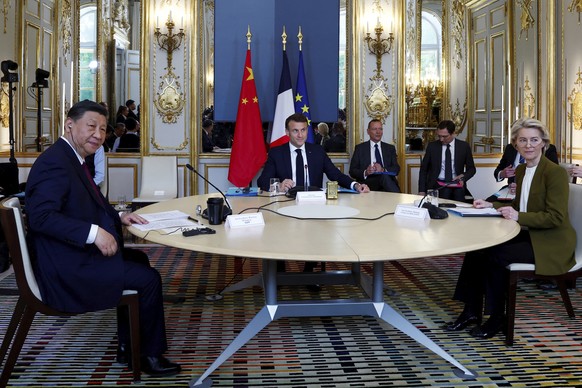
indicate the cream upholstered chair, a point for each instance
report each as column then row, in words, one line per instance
column 518, row 271
column 159, row 180
column 30, row 300
column 104, row 187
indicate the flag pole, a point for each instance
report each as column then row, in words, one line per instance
column 300, row 38
column 249, row 36
column 284, row 38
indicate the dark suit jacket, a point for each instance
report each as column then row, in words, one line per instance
column 61, row 205
column 129, row 142
column 552, row 236
column 207, row 143
column 278, row 165
column 430, row 167
column 510, row 153
column 361, row 159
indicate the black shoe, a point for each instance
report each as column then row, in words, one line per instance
column 123, row 353
column 313, row 287
column 159, row 366
column 489, row 329
column 465, row 319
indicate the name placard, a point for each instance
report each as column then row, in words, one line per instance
column 245, row 220
column 409, row 211
column 310, row 197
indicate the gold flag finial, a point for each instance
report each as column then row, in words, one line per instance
column 249, row 36
column 284, row 38
column 300, row 38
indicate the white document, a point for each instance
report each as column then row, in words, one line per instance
column 473, row 212
column 164, row 220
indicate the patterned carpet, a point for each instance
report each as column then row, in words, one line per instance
column 309, row 352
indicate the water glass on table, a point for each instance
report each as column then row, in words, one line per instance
column 274, row 186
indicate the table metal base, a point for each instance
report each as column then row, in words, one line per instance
column 375, row 307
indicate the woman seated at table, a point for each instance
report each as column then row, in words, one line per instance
column 546, row 237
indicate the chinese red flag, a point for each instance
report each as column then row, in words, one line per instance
column 249, row 152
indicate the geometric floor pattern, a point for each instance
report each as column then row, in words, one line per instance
column 308, row 352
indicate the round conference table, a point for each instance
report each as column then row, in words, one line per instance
column 355, row 228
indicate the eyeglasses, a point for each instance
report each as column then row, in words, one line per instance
column 534, row 141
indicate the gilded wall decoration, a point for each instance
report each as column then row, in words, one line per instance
column 170, row 97
column 66, row 28
column 121, row 15
column 575, row 6
column 526, row 18
column 575, row 100
column 5, row 11
column 458, row 115
column 4, row 106
column 158, row 147
column 378, row 101
column 411, row 38
column 458, row 31
column 529, row 100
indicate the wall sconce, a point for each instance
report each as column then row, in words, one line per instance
column 169, row 41
column 379, row 46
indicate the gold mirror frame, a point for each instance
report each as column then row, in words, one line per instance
column 416, row 49
column 202, row 70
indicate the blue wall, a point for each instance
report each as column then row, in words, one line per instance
column 319, row 20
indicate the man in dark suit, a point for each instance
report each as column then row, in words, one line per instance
column 374, row 162
column 207, row 142
column 446, row 160
column 129, row 141
column 298, row 163
column 75, row 238
column 290, row 162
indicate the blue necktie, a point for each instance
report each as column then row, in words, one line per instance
column 378, row 155
column 448, row 165
column 521, row 159
column 299, row 165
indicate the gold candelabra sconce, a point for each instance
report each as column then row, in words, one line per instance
column 170, row 97
column 169, row 41
column 379, row 46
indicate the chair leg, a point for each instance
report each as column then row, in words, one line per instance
column 14, row 321
column 511, row 298
column 21, row 333
column 562, row 286
column 132, row 302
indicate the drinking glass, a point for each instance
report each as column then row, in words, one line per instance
column 432, row 196
column 274, row 186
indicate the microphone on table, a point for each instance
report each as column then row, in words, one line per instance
column 226, row 209
column 434, row 211
column 306, row 180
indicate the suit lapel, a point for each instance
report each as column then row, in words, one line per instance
column 81, row 173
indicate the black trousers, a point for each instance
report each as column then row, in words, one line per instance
column 140, row 276
column 484, row 273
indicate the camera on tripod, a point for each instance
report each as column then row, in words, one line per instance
column 41, row 78
column 8, row 68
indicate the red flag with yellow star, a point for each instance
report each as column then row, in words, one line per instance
column 249, row 152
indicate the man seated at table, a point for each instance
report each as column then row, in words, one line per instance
column 374, row 161
column 75, row 237
column 447, row 164
column 298, row 163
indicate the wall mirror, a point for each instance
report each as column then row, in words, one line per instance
column 425, row 71
column 88, row 62
column 223, row 131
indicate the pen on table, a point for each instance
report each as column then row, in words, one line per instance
column 193, row 219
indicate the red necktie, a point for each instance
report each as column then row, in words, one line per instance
column 92, row 182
